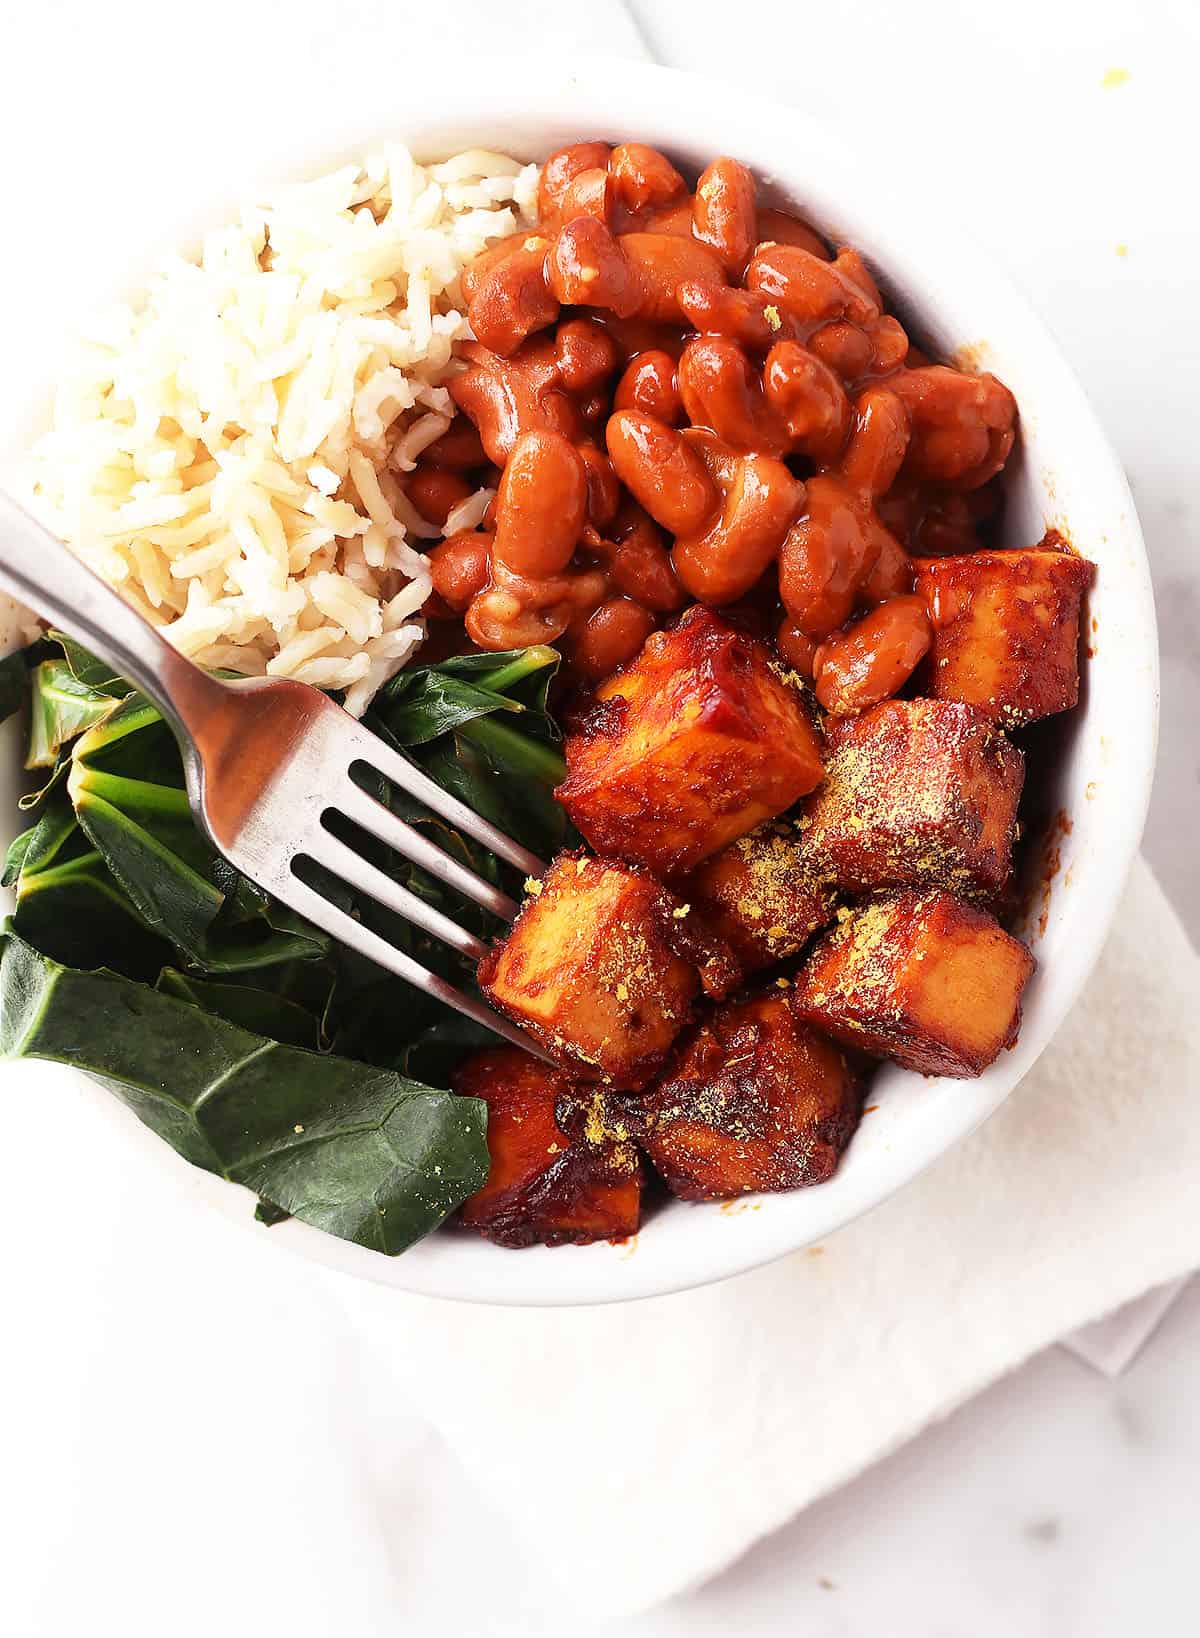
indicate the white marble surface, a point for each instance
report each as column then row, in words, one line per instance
column 1059, row 1503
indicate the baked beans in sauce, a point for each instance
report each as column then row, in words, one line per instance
column 687, row 396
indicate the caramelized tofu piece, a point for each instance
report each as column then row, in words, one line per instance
column 698, row 741
column 763, row 895
column 593, row 969
column 917, row 793
column 1006, row 629
column 559, row 1174
column 924, row 978
column 754, row 1101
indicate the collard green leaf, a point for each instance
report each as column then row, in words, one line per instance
column 14, row 680
column 88, row 670
column 423, row 703
column 14, row 857
column 126, row 784
column 261, row 1011
column 438, row 704
column 69, row 906
column 268, row 1213
column 60, row 708
column 135, row 841
column 363, row 1153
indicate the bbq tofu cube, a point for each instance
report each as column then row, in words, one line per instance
column 924, row 978
column 754, row 1100
column 762, row 895
column 559, row 1175
column 694, row 744
column 1005, row 629
column 591, row 969
column 917, row 793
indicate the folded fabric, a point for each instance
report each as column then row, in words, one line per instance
column 639, row 1449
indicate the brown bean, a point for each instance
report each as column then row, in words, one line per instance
column 517, row 611
column 512, row 299
column 796, row 648
column 459, row 449
column 635, row 335
column 659, row 263
column 541, row 505
column 675, row 219
column 827, row 552
column 639, row 563
column 780, row 228
column 878, row 441
column 460, row 566
column 435, row 492
column 661, row 471
column 808, row 399
column 481, row 265
column 508, row 396
column 585, row 353
column 724, row 310
column 498, row 620
column 720, row 461
column 720, row 390
column 874, row 659
column 724, row 215
column 963, row 426
column 722, row 564
column 889, row 344
column 844, row 347
column 603, row 486
column 560, row 170
column 589, row 194
column 806, row 287
column 644, row 179
column 610, row 638
column 649, row 386
column 890, row 575
column 850, row 265
column 588, row 267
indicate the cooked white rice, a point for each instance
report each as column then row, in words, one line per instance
column 227, row 455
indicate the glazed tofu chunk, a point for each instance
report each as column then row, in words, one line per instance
column 754, row 1101
column 917, row 793
column 592, row 968
column 924, row 978
column 697, row 742
column 559, row 1175
column 1006, row 629
column 762, row 894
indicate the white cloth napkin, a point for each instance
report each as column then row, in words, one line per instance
column 362, row 1440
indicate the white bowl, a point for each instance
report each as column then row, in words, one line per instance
column 1066, row 475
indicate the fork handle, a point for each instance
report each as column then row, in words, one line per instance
column 39, row 571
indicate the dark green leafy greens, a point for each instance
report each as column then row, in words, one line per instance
column 12, row 685
column 60, row 708
column 237, row 1031
column 362, row 1152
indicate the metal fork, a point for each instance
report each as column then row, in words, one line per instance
column 268, row 762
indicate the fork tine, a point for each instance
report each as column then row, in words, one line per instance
column 353, row 868
column 306, row 901
column 410, row 778
column 382, row 823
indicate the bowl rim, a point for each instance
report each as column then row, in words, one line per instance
column 644, row 100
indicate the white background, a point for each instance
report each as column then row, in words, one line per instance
column 1058, row 1504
